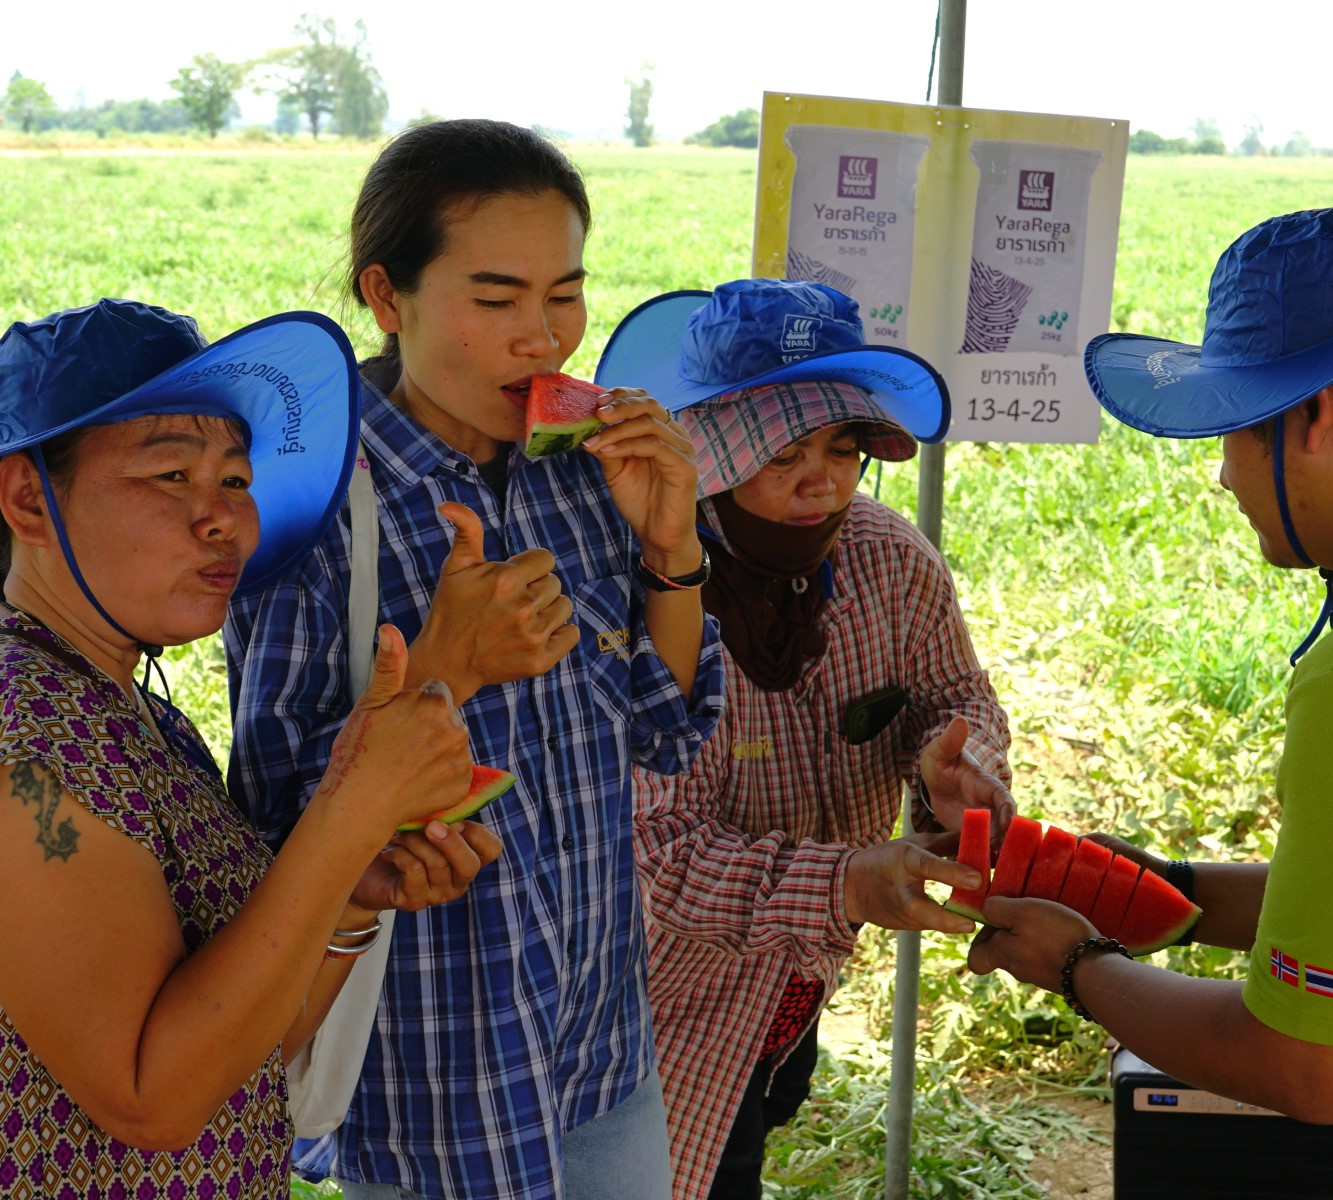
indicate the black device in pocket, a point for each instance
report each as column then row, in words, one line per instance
column 869, row 715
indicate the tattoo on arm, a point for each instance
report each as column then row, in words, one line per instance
column 37, row 786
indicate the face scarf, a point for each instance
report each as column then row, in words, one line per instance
column 767, row 593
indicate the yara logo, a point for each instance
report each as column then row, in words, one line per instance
column 856, row 176
column 799, row 334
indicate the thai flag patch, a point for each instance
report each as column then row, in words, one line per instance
column 1284, row 967
column 1319, row 980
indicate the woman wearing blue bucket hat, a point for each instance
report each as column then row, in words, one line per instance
column 1263, row 380
column 156, row 962
column 848, row 668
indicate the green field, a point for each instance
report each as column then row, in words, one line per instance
column 1132, row 631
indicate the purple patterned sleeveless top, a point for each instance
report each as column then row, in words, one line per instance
column 81, row 726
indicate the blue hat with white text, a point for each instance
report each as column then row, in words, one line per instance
column 289, row 382
column 1267, row 340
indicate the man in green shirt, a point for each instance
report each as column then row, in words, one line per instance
column 1263, row 380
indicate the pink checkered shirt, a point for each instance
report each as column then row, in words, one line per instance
column 742, row 859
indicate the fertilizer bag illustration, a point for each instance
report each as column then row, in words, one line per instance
column 852, row 219
column 1028, row 244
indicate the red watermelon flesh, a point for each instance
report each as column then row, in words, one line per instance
column 1117, row 887
column 487, row 784
column 973, row 851
column 1158, row 915
column 1051, row 866
column 561, row 413
column 1021, row 841
column 1086, row 872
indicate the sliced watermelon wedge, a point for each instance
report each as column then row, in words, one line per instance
column 487, row 784
column 1022, row 840
column 560, row 413
column 1122, row 877
column 974, row 851
column 1158, row 915
column 1048, row 872
column 1086, row 871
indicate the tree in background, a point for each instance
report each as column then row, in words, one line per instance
column 1251, row 144
column 640, row 94
column 739, row 129
column 208, row 88
column 362, row 101
column 325, row 78
column 27, row 102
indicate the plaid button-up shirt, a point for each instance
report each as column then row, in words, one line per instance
column 520, row 1010
column 743, row 859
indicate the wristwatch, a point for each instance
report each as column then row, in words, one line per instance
column 678, row 583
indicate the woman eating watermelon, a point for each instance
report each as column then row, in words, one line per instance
column 1263, row 381
column 850, row 675
column 558, row 597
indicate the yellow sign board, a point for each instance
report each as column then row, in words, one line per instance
column 983, row 241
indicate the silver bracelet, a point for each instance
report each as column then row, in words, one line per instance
column 375, row 928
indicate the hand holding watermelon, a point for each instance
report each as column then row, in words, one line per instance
column 884, row 884
column 490, row 622
column 648, row 460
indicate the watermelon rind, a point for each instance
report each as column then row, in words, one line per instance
column 488, row 783
column 559, row 439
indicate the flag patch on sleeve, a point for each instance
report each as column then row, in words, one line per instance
column 1284, row 967
column 1319, row 979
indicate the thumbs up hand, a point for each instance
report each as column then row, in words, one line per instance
column 490, row 622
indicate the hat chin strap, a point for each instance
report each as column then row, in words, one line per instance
column 147, row 648
column 1280, row 484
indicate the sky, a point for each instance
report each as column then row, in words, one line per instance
column 1160, row 64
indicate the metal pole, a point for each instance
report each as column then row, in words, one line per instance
column 929, row 519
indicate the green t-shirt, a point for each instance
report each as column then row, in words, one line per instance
column 1290, row 985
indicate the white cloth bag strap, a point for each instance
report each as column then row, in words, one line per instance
column 322, row 1078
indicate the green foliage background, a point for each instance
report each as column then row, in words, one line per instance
column 1131, row 628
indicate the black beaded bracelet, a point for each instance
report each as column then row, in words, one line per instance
column 1087, row 946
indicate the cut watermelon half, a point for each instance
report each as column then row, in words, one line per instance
column 1022, row 840
column 973, row 851
column 1139, row 909
column 1048, row 872
column 487, row 784
column 561, row 413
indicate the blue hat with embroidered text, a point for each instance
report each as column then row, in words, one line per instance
column 686, row 347
column 289, row 382
column 1267, row 340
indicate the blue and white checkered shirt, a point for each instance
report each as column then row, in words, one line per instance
column 520, row 1010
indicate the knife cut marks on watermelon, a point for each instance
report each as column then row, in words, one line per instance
column 561, row 413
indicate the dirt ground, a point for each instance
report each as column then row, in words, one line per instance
column 1080, row 1170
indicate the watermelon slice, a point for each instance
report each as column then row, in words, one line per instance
column 973, row 851
column 1021, row 841
column 1117, row 887
column 561, row 412
column 1158, row 915
column 1087, row 869
column 1048, row 872
column 487, row 784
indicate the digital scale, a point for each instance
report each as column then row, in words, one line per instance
column 1175, row 1142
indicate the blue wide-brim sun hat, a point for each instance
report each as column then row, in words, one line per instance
column 289, row 382
column 685, row 347
column 1267, row 341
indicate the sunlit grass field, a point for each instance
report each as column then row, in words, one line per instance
column 1131, row 628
